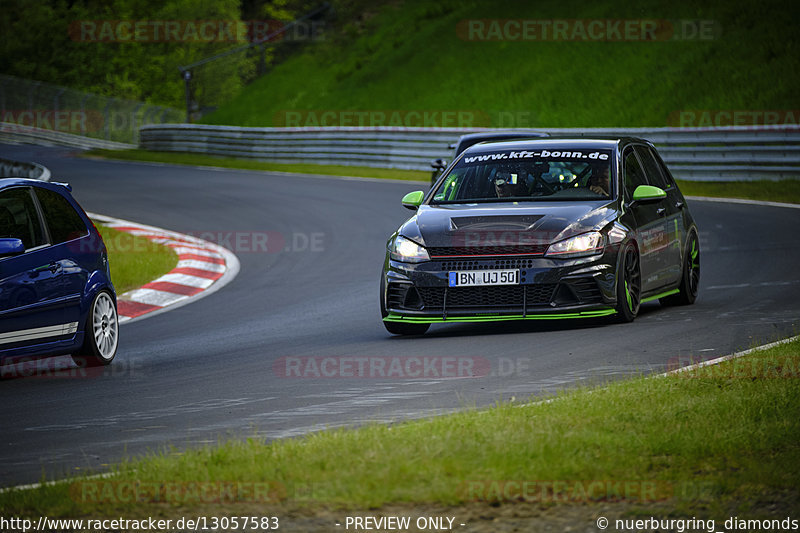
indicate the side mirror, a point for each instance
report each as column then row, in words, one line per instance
column 439, row 164
column 9, row 247
column 413, row 200
column 647, row 193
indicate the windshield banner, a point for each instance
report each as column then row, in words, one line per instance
column 541, row 154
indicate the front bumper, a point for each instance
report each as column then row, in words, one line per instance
column 548, row 289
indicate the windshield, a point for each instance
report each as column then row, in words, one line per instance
column 541, row 174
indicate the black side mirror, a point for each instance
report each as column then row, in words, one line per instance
column 439, row 164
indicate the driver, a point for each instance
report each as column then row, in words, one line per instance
column 599, row 180
column 508, row 184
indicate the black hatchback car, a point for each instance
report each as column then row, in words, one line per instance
column 542, row 229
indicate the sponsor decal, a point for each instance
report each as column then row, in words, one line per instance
column 542, row 154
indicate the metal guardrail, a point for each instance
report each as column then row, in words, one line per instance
column 15, row 133
column 701, row 154
column 17, row 169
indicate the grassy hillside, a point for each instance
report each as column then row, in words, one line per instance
column 413, row 55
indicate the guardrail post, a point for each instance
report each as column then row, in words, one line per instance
column 31, row 92
column 107, row 119
column 134, row 137
column 56, row 99
column 83, row 113
column 187, row 77
column 2, row 97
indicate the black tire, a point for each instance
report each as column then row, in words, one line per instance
column 405, row 328
column 629, row 284
column 101, row 334
column 690, row 276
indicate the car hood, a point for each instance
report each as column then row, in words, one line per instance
column 505, row 224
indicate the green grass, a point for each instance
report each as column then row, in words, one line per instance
column 787, row 191
column 776, row 191
column 135, row 260
column 716, row 440
column 408, row 56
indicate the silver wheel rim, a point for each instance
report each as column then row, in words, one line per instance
column 105, row 326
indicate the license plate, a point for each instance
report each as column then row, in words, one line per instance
column 472, row 278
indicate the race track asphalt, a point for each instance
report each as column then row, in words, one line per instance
column 207, row 371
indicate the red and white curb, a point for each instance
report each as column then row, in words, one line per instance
column 203, row 268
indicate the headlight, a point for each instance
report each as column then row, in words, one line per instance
column 408, row 251
column 584, row 244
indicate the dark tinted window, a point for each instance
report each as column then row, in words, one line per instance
column 62, row 220
column 651, row 167
column 664, row 170
column 538, row 174
column 18, row 217
column 633, row 173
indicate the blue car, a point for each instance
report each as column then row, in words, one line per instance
column 56, row 295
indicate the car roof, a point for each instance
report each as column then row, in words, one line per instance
column 467, row 140
column 591, row 143
column 505, row 134
column 20, row 182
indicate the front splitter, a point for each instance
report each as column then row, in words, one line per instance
column 393, row 317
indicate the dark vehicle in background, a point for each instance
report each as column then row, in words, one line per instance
column 470, row 139
column 542, row 229
column 56, row 295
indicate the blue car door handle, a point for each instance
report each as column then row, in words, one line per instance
column 661, row 210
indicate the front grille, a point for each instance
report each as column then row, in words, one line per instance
column 486, row 264
column 502, row 296
column 467, row 251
